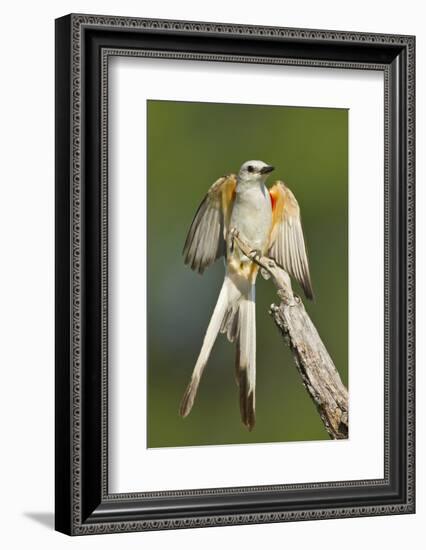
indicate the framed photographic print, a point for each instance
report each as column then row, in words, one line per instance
column 234, row 274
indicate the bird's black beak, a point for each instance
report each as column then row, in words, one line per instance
column 267, row 169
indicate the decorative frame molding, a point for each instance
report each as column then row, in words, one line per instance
column 84, row 43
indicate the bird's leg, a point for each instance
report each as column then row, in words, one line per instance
column 253, row 254
column 269, row 268
column 233, row 234
column 256, row 257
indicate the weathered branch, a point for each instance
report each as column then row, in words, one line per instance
column 319, row 374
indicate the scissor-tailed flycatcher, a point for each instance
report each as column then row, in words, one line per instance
column 269, row 222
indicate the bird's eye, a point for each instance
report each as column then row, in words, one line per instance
column 250, row 168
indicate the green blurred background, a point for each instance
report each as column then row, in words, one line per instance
column 189, row 146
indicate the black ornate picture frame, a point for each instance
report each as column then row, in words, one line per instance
column 84, row 43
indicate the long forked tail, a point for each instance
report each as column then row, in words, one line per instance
column 234, row 315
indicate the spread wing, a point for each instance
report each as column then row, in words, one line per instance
column 205, row 241
column 287, row 245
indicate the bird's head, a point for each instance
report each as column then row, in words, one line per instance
column 254, row 172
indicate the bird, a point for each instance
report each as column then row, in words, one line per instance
column 269, row 222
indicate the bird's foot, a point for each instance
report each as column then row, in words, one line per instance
column 254, row 255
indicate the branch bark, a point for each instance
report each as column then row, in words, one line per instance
column 319, row 374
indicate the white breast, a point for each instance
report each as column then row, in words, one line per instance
column 252, row 216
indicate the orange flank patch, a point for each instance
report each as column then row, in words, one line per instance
column 228, row 192
column 277, row 203
column 273, row 196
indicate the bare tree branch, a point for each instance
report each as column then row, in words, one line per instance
column 319, row 374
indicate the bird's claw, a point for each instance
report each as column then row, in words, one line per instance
column 254, row 255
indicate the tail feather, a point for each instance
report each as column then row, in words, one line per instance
column 230, row 324
column 234, row 315
column 228, row 296
column 189, row 396
column 245, row 363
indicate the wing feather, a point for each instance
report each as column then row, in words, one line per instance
column 287, row 244
column 205, row 241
